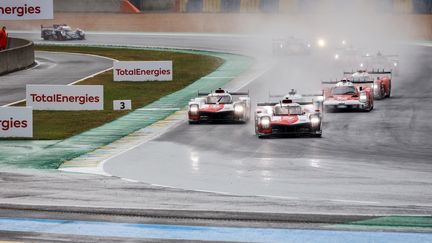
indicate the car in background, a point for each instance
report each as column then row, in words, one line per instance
column 290, row 46
column 348, row 95
column 382, row 81
column 381, row 61
column 219, row 106
column 347, row 57
column 61, row 32
column 293, row 115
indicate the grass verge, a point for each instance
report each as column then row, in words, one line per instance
column 63, row 124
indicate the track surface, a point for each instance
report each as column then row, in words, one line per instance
column 375, row 163
column 52, row 68
column 377, row 159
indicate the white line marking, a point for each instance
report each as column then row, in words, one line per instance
column 354, row 201
column 129, row 180
column 279, row 197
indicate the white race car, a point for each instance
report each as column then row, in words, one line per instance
column 293, row 115
column 219, row 106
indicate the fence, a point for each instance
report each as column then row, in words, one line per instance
column 19, row 55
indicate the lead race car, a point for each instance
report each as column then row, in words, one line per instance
column 294, row 114
column 219, row 106
column 349, row 95
column 382, row 81
column 61, row 32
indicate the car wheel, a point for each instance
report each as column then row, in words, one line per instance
column 389, row 92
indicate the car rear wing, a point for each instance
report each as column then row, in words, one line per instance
column 373, row 71
column 231, row 93
column 267, row 104
column 46, row 27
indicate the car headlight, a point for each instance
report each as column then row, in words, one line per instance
column 321, row 43
column 336, row 56
column 265, row 122
column 395, row 64
column 281, row 46
column 363, row 97
column 315, row 121
column 238, row 109
column 320, row 98
column 193, row 109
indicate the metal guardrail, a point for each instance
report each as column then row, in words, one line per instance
column 19, row 55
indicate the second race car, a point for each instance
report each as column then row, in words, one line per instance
column 293, row 115
column 219, row 106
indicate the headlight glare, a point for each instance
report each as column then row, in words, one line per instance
column 193, row 109
column 363, row 97
column 265, row 122
column 315, row 120
column 238, row 109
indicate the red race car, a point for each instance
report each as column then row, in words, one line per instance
column 349, row 95
column 382, row 81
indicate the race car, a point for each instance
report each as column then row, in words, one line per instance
column 61, row 32
column 349, row 95
column 293, row 115
column 382, row 81
column 290, row 46
column 347, row 57
column 219, row 106
column 380, row 61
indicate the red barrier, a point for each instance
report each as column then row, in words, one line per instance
column 127, row 7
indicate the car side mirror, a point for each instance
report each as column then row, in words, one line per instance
column 361, row 88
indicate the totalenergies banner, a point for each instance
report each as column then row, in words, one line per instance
column 65, row 97
column 26, row 9
column 16, row 122
column 143, row 71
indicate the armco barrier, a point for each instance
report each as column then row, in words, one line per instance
column 19, row 55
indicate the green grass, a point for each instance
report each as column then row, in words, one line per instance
column 63, row 124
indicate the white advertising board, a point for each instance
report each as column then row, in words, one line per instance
column 143, row 71
column 26, row 9
column 65, row 97
column 16, row 122
column 120, row 105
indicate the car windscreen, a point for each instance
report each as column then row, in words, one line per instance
column 344, row 90
column 287, row 110
column 219, row 99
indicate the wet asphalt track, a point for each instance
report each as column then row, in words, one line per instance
column 378, row 158
column 51, row 68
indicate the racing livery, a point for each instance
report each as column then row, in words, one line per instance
column 219, row 106
column 61, row 32
column 293, row 115
column 382, row 81
column 349, row 95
